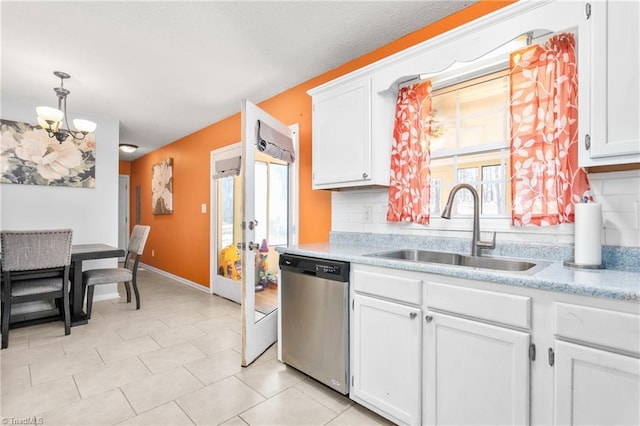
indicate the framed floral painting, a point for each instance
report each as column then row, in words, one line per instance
column 162, row 187
column 28, row 156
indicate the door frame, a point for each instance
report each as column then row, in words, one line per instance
column 126, row 221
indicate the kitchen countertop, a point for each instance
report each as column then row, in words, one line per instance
column 605, row 283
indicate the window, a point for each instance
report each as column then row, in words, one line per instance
column 226, row 191
column 470, row 144
column 272, row 202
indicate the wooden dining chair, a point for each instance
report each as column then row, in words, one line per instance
column 35, row 266
column 127, row 274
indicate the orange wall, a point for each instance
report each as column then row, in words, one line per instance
column 181, row 241
column 124, row 167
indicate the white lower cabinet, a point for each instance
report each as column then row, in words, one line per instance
column 596, row 366
column 386, row 358
column 475, row 373
column 435, row 350
column 595, row 387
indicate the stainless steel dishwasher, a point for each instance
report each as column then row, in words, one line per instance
column 315, row 318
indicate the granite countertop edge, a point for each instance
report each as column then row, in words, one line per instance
column 605, row 283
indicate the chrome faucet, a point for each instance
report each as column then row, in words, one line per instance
column 476, row 243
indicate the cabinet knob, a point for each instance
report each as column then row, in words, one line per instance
column 428, row 318
column 412, row 315
column 365, row 175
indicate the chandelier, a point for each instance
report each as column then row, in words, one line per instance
column 50, row 119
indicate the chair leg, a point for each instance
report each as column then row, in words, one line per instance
column 135, row 290
column 128, row 290
column 6, row 314
column 89, row 300
column 67, row 313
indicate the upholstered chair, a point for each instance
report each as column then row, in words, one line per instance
column 126, row 274
column 35, row 266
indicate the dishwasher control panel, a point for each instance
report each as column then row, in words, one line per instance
column 324, row 268
column 328, row 269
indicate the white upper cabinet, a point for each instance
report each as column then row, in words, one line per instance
column 353, row 115
column 614, row 85
column 342, row 135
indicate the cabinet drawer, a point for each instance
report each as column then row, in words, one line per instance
column 616, row 330
column 402, row 289
column 490, row 306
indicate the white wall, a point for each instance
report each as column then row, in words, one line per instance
column 618, row 192
column 91, row 213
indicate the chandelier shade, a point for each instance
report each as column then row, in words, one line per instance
column 49, row 114
column 84, row 126
column 51, row 119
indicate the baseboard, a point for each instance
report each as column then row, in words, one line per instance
column 176, row 278
column 106, row 296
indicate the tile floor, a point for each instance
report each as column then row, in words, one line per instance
column 176, row 361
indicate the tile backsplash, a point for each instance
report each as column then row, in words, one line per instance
column 618, row 192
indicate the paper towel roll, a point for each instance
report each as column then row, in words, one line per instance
column 588, row 234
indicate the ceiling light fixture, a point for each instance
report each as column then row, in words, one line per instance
column 50, row 119
column 128, row 148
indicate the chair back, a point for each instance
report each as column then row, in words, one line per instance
column 138, row 239
column 38, row 249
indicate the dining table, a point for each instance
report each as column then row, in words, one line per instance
column 80, row 253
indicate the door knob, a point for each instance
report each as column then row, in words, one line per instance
column 412, row 315
column 428, row 318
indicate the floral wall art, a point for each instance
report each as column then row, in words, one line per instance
column 29, row 156
column 162, row 187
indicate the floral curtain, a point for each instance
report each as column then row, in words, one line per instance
column 409, row 186
column 546, row 181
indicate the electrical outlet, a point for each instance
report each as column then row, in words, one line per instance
column 367, row 212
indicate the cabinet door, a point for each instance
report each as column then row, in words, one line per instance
column 342, row 135
column 615, row 86
column 475, row 373
column 387, row 353
column 595, row 387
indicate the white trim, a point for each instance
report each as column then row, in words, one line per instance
column 181, row 280
column 486, row 21
column 294, row 190
column 97, row 297
column 127, row 218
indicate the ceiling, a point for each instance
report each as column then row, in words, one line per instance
column 167, row 69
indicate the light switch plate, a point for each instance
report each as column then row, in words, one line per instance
column 203, row 208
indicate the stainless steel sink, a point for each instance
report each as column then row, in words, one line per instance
column 455, row 259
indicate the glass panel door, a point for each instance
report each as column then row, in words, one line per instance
column 227, row 202
column 266, row 204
